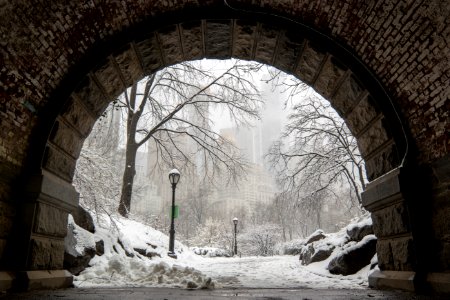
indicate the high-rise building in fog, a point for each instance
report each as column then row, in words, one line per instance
column 255, row 187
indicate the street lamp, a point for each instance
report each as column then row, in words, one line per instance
column 174, row 177
column 235, row 221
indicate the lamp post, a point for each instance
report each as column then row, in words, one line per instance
column 174, row 177
column 235, row 221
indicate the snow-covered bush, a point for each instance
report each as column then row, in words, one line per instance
column 97, row 180
column 260, row 240
column 293, row 247
column 213, row 234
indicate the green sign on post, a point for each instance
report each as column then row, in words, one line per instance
column 177, row 212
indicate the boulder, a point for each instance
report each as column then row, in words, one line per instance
column 374, row 262
column 99, row 247
column 79, row 246
column 358, row 231
column 314, row 253
column 322, row 253
column 147, row 252
column 84, row 219
column 355, row 257
column 315, row 236
column 306, row 253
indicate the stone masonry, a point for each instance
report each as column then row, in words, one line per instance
column 383, row 65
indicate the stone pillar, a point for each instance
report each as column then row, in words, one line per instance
column 383, row 197
column 47, row 201
column 400, row 205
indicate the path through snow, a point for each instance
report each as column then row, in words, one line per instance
column 274, row 272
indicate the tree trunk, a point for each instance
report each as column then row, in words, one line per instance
column 128, row 178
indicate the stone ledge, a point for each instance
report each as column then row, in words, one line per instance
column 6, row 280
column 439, row 282
column 398, row 280
column 45, row 279
column 383, row 191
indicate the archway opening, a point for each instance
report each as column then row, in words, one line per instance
column 331, row 69
column 271, row 217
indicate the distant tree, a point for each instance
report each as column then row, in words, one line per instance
column 260, row 240
column 316, row 151
column 97, row 180
column 213, row 233
column 154, row 113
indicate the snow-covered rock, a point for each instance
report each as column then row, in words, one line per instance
column 99, row 247
column 354, row 257
column 315, row 236
column 211, row 252
column 358, row 231
column 314, row 253
column 84, row 219
column 80, row 247
column 374, row 262
column 132, row 254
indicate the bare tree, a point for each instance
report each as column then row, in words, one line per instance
column 316, row 152
column 158, row 111
column 97, row 180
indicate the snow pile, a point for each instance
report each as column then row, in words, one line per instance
column 117, row 270
column 136, row 255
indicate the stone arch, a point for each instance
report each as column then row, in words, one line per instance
column 363, row 81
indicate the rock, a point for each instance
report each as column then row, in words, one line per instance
column 314, row 253
column 355, row 257
column 127, row 252
column 79, row 246
column 99, row 247
column 315, row 236
column 146, row 252
column 84, row 219
column 358, row 231
column 208, row 284
column 374, row 262
column 306, row 253
column 192, row 285
column 322, row 254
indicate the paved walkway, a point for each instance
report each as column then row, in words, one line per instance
column 237, row 294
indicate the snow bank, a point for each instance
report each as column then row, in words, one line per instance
column 119, row 270
column 136, row 255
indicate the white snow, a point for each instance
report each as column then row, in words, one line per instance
column 366, row 220
column 115, row 268
column 283, row 271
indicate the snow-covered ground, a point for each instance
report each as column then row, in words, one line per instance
column 275, row 272
column 123, row 265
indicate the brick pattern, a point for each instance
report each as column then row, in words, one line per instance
column 405, row 44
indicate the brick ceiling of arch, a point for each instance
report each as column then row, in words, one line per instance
column 67, row 61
